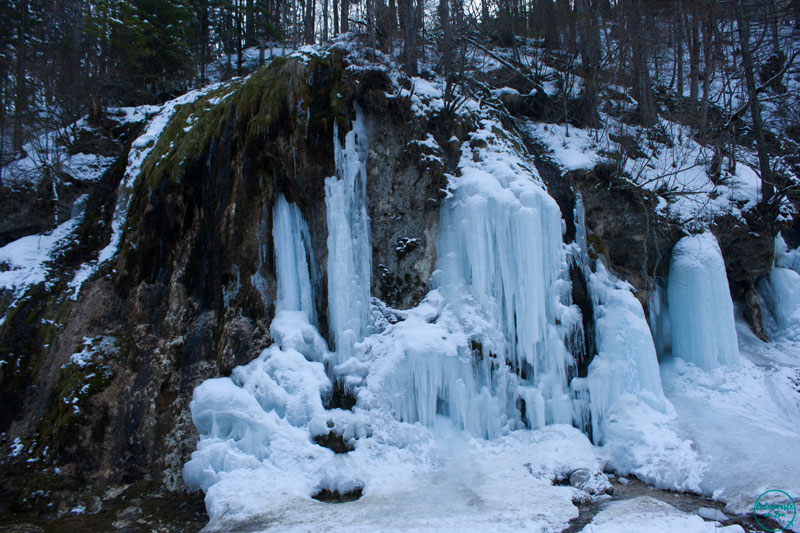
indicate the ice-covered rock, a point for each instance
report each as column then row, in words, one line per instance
column 781, row 291
column 593, row 483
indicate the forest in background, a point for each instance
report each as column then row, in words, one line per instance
column 62, row 59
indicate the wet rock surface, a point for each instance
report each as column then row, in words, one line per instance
column 139, row 508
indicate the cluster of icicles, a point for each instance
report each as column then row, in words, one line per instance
column 490, row 350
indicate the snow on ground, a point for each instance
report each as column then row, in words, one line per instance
column 579, row 150
column 24, row 261
column 743, row 422
column 49, row 152
column 224, row 66
column 678, row 173
column 446, row 482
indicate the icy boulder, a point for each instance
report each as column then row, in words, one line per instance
column 593, row 483
column 700, row 306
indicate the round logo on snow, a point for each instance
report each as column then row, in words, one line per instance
column 777, row 506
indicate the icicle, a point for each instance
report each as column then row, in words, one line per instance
column 292, row 251
column 700, row 306
column 785, row 258
column 626, row 361
column 349, row 251
column 580, row 229
column 658, row 315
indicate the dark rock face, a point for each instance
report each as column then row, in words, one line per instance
column 406, row 184
column 622, row 225
column 747, row 245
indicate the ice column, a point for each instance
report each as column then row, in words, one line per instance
column 349, row 252
column 292, row 252
column 500, row 243
column 700, row 307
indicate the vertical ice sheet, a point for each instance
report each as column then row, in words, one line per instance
column 292, row 252
column 626, row 363
column 700, row 306
column 349, row 251
column 501, row 270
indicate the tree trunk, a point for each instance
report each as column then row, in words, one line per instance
column 325, row 20
column 409, row 36
column 679, row 45
column 308, row 22
column 21, row 90
column 336, row 17
column 250, row 24
column 444, row 21
column 772, row 14
column 642, row 88
column 708, row 67
column 345, row 16
column 694, row 58
column 589, row 31
column 767, row 188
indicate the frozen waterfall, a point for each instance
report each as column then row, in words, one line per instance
column 349, row 251
column 501, row 259
column 626, row 362
column 485, row 353
column 700, row 306
column 292, row 265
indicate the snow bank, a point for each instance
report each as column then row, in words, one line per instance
column 700, row 306
column 742, row 421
